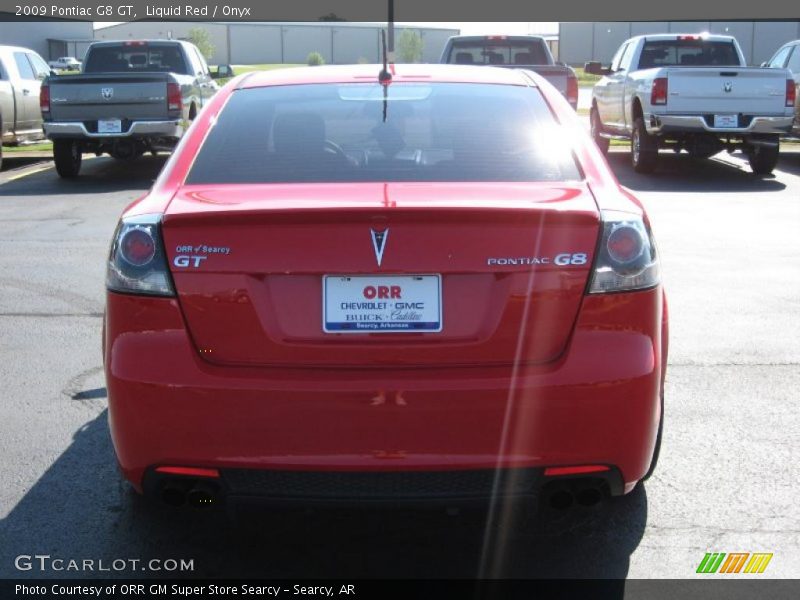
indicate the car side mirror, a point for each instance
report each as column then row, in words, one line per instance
column 223, row 72
column 595, row 68
column 765, row 64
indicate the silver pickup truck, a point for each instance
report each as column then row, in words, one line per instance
column 21, row 74
column 690, row 92
column 529, row 52
column 131, row 97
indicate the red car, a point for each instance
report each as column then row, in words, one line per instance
column 428, row 287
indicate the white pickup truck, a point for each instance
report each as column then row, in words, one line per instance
column 21, row 75
column 693, row 93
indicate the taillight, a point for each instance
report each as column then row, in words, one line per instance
column 44, row 98
column 572, row 90
column 791, row 92
column 137, row 263
column 658, row 95
column 174, row 101
column 137, row 246
column 627, row 257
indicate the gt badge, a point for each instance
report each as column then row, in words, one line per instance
column 379, row 243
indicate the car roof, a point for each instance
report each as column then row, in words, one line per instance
column 16, row 49
column 406, row 72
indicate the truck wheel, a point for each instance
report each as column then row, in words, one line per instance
column 764, row 158
column 597, row 128
column 67, row 154
column 644, row 148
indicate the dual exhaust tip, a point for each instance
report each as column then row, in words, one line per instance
column 563, row 495
column 197, row 494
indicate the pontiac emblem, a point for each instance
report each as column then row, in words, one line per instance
column 107, row 93
column 728, row 86
column 379, row 243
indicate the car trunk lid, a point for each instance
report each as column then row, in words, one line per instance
column 512, row 262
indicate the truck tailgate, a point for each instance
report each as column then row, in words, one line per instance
column 127, row 97
column 726, row 90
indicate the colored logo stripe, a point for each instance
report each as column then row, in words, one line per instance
column 758, row 562
column 735, row 561
column 710, row 562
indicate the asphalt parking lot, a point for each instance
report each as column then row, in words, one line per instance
column 727, row 479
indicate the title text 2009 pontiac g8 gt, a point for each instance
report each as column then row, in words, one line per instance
column 428, row 287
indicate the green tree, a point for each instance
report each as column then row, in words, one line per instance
column 409, row 46
column 201, row 38
column 315, row 59
column 331, row 17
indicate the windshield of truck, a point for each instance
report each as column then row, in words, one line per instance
column 135, row 57
column 498, row 52
column 688, row 53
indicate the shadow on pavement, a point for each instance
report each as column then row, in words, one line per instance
column 79, row 508
column 790, row 162
column 681, row 173
column 12, row 161
column 98, row 175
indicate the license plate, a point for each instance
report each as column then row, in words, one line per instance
column 726, row 121
column 109, row 126
column 381, row 303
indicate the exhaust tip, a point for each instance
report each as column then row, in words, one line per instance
column 201, row 496
column 589, row 496
column 561, row 499
column 173, row 495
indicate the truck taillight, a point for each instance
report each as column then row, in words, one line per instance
column 791, row 92
column 44, row 98
column 174, row 101
column 658, row 95
column 572, row 90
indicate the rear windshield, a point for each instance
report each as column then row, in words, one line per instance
column 135, row 58
column 498, row 52
column 688, row 53
column 347, row 133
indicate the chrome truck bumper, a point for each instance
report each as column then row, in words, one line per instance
column 673, row 124
column 77, row 129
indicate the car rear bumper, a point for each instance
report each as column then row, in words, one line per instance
column 598, row 404
column 666, row 124
column 77, row 129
